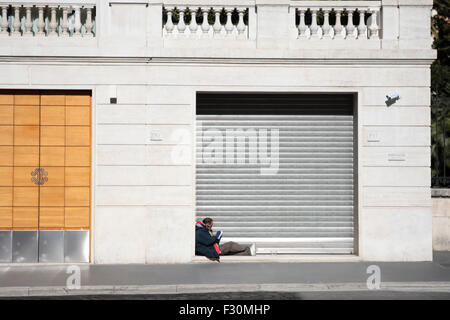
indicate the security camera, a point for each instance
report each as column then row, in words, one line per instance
column 392, row 98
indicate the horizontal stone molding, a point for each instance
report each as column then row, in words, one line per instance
column 306, row 57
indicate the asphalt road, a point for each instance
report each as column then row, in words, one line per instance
column 226, row 296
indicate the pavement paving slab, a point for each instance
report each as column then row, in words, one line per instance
column 51, row 280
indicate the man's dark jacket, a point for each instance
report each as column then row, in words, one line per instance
column 205, row 244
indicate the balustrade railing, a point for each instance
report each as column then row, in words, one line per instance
column 346, row 20
column 47, row 19
column 206, row 22
column 260, row 24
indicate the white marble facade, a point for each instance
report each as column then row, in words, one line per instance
column 144, row 202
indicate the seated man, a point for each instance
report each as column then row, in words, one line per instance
column 207, row 243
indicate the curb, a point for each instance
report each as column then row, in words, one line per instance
column 442, row 287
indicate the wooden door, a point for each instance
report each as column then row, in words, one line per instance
column 45, row 160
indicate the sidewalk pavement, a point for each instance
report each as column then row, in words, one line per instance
column 51, row 280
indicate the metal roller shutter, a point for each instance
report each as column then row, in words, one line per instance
column 307, row 205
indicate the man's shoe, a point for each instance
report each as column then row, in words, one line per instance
column 214, row 259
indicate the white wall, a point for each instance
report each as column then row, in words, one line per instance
column 394, row 194
column 144, row 197
column 144, row 206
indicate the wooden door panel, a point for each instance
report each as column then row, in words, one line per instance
column 52, row 156
column 77, row 176
column 6, row 176
column 26, row 156
column 53, row 135
column 27, row 99
column 6, row 155
column 22, row 176
column 25, row 217
column 53, row 99
column 5, row 218
column 6, row 114
column 7, row 136
column 55, row 177
column 78, row 100
column 51, row 217
column 51, row 196
column 25, row 196
column 6, row 196
column 78, row 156
column 26, row 115
column 7, row 99
column 78, row 116
column 77, row 196
column 78, row 136
column 77, row 217
column 26, row 135
column 53, row 115
column 51, row 131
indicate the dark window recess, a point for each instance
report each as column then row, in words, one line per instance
column 274, row 103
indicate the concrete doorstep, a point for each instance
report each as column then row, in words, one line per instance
column 442, row 287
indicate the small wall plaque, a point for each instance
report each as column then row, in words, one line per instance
column 155, row 135
column 373, row 137
column 396, row 157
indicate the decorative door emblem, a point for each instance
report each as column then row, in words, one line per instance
column 39, row 176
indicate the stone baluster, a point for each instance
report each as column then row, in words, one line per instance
column 314, row 28
column 193, row 26
column 374, row 28
column 181, row 26
column 77, row 24
column 241, row 25
column 302, row 27
column 229, row 27
column 350, row 28
column 53, row 24
column 89, row 24
column 362, row 25
column 338, row 26
column 65, row 22
column 28, row 32
column 169, row 24
column 205, row 24
column 4, row 24
column 217, row 26
column 16, row 23
column 326, row 24
column 41, row 22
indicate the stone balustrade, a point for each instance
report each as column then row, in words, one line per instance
column 227, row 25
column 203, row 21
column 47, row 19
column 337, row 20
